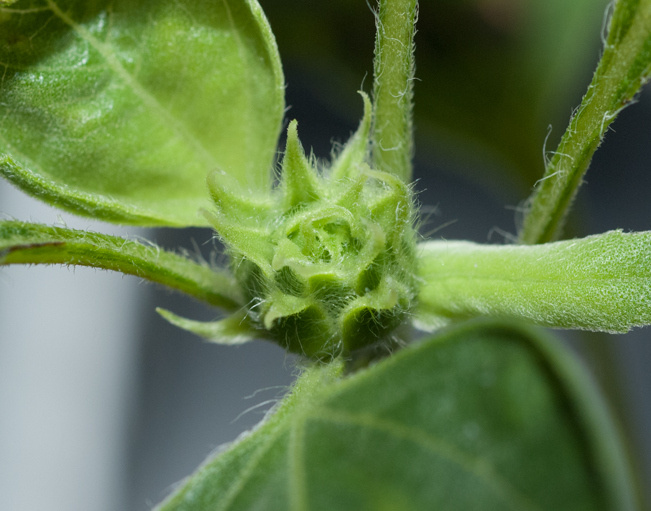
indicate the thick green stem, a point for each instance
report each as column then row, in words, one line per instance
column 624, row 67
column 393, row 68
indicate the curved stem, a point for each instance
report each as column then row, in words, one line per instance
column 26, row 243
column 624, row 67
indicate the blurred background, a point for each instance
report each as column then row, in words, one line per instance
column 104, row 406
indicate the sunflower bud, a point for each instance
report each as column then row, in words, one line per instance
column 327, row 265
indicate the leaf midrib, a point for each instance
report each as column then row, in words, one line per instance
column 317, row 411
column 477, row 467
column 114, row 64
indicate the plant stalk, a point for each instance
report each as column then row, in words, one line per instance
column 624, row 67
column 393, row 69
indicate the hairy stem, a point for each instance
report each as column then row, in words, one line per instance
column 393, row 69
column 624, row 67
column 25, row 243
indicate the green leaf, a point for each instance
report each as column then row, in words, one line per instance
column 393, row 70
column 119, row 110
column 484, row 417
column 601, row 282
column 624, row 67
column 25, row 243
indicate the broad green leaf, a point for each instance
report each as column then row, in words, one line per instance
column 119, row 110
column 601, row 282
column 25, row 243
column 393, row 70
column 483, row 417
column 624, row 67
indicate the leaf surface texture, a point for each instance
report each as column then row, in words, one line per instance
column 483, row 417
column 119, row 110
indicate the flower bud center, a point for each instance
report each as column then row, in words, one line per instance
column 328, row 263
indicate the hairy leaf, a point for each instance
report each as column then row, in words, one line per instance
column 485, row 417
column 25, row 243
column 601, row 282
column 119, row 109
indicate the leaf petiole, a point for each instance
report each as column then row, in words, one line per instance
column 624, row 67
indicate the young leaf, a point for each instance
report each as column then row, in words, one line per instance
column 601, row 282
column 624, row 67
column 484, row 417
column 25, row 243
column 119, row 110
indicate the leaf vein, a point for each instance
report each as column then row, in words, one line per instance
column 116, row 66
column 482, row 470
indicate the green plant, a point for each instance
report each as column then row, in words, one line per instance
column 485, row 414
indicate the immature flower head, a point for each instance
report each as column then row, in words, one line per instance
column 327, row 261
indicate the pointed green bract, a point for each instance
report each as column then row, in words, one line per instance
column 235, row 200
column 251, row 240
column 299, row 180
column 234, row 329
column 119, row 110
column 26, row 243
column 601, row 282
column 356, row 151
column 484, row 417
column 624, row 67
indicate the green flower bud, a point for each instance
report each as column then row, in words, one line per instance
column 327, row 262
